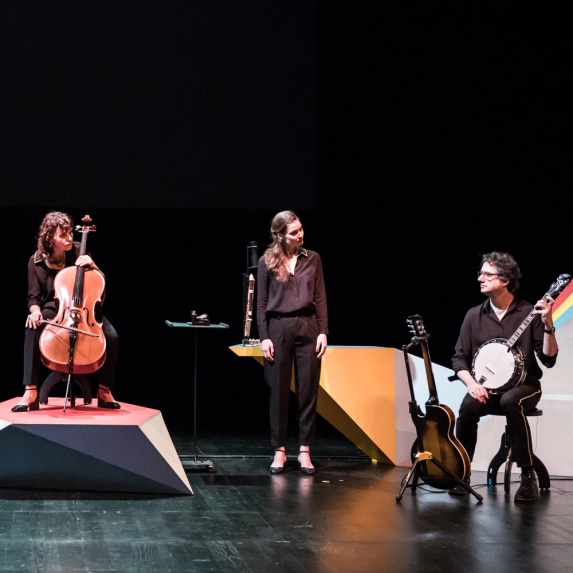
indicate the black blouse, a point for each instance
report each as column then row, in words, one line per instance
column 41, row 279
column 303, row 292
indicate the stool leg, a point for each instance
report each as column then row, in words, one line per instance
column 72, row 395
column 507, row 475
column 47, row 386
column 496, row 462
column 83, row 383
column 506, row 452
column 542, row 473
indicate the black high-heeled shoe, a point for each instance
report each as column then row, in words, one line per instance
column 277, row 469
column 303, row 470
column 101, row 403
column 35, row 405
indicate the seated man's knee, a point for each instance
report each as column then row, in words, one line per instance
column 470, row 408
column 509, row 404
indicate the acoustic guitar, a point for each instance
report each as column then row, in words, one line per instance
column 435, row 428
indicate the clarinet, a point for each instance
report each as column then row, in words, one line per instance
column 249, row 313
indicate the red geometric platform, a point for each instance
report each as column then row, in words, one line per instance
column 89, row 448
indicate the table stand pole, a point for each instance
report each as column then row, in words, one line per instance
column 196, row 464
column 195, row 402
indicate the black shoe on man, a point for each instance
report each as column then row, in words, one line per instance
column 528, row 490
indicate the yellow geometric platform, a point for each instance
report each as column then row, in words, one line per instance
column 363, row 393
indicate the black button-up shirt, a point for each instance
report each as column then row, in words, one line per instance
column 41, row 278
column 481, row 324
column 302, row 293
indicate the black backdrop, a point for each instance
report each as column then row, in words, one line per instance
column 440, row 136
column 158, row 104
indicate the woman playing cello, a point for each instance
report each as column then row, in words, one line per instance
column 56, row 251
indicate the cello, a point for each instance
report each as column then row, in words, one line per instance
column 73, row 342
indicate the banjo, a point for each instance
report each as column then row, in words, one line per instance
column 499, row 364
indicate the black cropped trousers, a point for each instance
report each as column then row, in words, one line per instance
column 514, row 404
column 33, row 361
column 294, row 340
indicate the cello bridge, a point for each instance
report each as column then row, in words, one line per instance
column 76, row 315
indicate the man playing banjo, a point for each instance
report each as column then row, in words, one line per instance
column 498, row 318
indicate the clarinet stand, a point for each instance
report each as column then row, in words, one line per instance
column 194, row 464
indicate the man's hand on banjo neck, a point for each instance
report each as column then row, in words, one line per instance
column 544, row 308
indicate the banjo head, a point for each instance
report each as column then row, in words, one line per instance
column 497, row 366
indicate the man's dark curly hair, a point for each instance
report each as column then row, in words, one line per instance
column 50, row 224
column 506, row 266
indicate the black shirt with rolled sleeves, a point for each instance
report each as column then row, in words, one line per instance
column 481, row 324
column 302, row 292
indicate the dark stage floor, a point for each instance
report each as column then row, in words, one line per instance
column 344, row 519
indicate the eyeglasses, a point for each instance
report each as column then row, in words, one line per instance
column 487, row 276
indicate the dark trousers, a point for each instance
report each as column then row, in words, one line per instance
column 294, row 340
column 33, row 361
column 514, row 404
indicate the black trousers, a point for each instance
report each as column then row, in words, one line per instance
column 294, row 341
column 514, row 404
column 33, row 362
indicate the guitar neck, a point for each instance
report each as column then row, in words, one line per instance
column 433, row 399
column 409, row 372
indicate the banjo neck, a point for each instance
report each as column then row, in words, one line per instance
column 521, row 329
column 555, row 290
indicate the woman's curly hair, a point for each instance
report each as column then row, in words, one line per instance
column 49, row 226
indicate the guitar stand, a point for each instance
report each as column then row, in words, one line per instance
column 425, row 457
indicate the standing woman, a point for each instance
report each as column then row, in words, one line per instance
column 56, row 251
column 293, row 325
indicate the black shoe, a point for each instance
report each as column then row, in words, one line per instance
column 35, row 405
column 110, row 405
column 277, row 469
column 305, row 471
column 103, row 404
column 459, row 490
column 528, row 490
